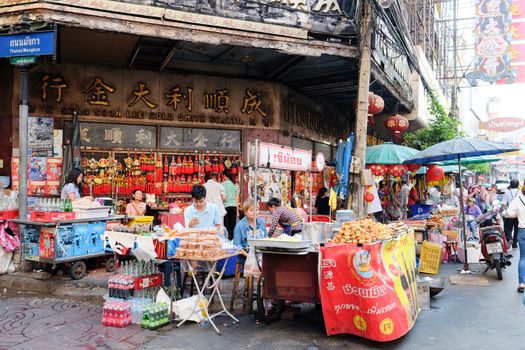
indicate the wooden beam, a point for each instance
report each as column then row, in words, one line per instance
column 170, row 29
column 283, row 66
column 168, row 57
column 222, row 54
column 135, row 52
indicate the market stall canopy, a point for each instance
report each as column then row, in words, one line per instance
column 459, row 149
column 446, row 169
column 388, row 153
column 474, row 160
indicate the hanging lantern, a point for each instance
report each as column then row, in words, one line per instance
column 397, row 124
column 378, row 169
column 397, row 170
column 376, row 104
column 435, row 173
column 413, row 167
column 369, row 197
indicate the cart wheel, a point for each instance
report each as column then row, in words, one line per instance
column 77, row 270
column 28, row 266
column 268, row 310
column 111, row 264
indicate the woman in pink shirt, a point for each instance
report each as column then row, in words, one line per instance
column 136, row 207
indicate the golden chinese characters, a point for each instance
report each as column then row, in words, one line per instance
column 219, row 101
column 98, row 92
column 140, row 95
column 252, row 103
column 56, row 83
column 174, row 97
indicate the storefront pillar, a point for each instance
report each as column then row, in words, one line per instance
column 22, row 137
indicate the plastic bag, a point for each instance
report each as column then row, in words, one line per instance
column 251, row 267
column 8, row 239
column 6, row 262
column 192, row 308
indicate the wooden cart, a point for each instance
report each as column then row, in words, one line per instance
column 286, row 276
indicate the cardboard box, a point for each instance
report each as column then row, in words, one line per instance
column 423, row 295
column 50, row 216
column 473, row 254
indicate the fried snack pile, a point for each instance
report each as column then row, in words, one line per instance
column 435, row 221
column 363, row 232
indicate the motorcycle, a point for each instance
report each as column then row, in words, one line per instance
column 493, row 243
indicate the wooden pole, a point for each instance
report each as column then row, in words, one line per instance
column 361, row 122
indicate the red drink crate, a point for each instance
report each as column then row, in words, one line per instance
column 50, row 216
column 8, row 214
column 148, row 281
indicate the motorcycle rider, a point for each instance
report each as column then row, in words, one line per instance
column 517, row 210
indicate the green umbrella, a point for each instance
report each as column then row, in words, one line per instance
column 446, row 169
column 388, row 153
column 474, row 160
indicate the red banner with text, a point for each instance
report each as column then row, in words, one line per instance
column 369, row 291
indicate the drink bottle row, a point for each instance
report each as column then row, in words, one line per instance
column 143, row 311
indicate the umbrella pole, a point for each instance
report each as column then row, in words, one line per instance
column 462, row 208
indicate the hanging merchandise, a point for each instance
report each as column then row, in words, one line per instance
column 397, row 170
column 196, row 164
column 413, row 167
column 166, row 166
column 207, row 164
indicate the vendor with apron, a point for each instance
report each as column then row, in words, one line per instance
column 288, row 218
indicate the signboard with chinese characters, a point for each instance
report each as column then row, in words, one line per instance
column 40, row 136
column 200, row 139
column 115, row 136
column 279, row 157
column 146, row 97
column 27, row 44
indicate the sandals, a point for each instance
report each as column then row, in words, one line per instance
column 521, row 288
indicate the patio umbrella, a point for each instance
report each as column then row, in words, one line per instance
column 474, row 160
column 388, row 153
column 458, row 149
column 342, row 166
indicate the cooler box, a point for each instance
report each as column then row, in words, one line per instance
column 229, row 271
column 473, row 253
column 81, row 239
column 95, row 213
column 95, row 241
column 65, row 242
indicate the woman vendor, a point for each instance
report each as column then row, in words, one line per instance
column 71, row 189
column 136, row 207
column 248, row 227
column 472, row 211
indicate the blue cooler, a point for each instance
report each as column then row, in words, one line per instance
column 81, row 239
column 229, row 271
column 65, row 242
column 95, row 244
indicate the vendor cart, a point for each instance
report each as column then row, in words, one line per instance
column 286, row 276
column 67, row 242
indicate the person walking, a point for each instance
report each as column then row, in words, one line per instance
column 215, row 192
column 321, row 202
column 405, row 191
column 517, row 210
column 231, row 189
column 510, row 225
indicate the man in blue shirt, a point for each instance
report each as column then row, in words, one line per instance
column 202, row 214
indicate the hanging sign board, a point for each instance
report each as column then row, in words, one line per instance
column 280, row 157
column 27, row 44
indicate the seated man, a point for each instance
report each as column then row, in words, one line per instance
column 202, row 214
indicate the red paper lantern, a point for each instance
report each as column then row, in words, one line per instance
column 369, row 197
column 397, row 170
column 435, row 173
column 376, row 104
column 413, row 167
column 397, row 124
column 378, row 169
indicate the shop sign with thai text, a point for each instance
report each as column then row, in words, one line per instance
column 503, row 124
column 280, row 157
column 27, row 44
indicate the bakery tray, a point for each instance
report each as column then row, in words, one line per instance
column 268, row 244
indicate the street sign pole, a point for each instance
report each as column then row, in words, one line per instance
column 22, row 140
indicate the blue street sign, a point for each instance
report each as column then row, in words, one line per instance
column 28, row 44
